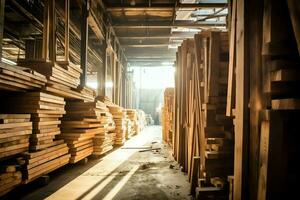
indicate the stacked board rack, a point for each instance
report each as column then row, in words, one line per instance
column 46, row 111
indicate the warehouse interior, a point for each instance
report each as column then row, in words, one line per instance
column 149, row 99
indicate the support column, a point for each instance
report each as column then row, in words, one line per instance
column 101, row 74
column 2, row 7
column 52, row 31
column 45, row 30
column 84, row 42
column 67, row 28
column 241, row 151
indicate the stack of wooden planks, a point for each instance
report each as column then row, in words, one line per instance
column 15, row 78
column 46, row 110
column 167, row 116
column 63, row 78
column 42, row 162
column 278, row 122
column 202, row 129
column 119, row 116
column 104, row 141
column 218, row 128
column 79, row 126
column 141, row 119
column 15, row 130
column 10, row 176
column 132, row 115
column 129, row 129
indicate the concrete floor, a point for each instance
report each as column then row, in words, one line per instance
column 122, row 174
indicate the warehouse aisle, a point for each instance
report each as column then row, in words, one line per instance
column 122, row 174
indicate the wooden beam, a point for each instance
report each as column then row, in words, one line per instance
column 174, row 35
column 52, row 31
column 95, row 26
column 67, row 28
column 232, row 60
column 84, row 42
column 101, row 74
column 2, row 9
column 150, row 45
column 45, row 30
column 160, row 7
column 242, row 99
column 167, row 24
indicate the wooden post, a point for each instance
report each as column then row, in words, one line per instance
column 242, row 99
column 124, row 69
column 84, row 42
column 67, row 28
column 2, row 6
column 256, row 99
column 45, row 30
column 101, row 74
column 52, row 30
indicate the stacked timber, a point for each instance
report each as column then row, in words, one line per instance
column 141, row 119
column 202, row 129
column 15, row 130
column 218, row 128
column 47, row 153
column 119, row 117
column 63, row 78
column 132, row 122
column 79, row 126
column 104, row 141
column 129, row 129
column 279, row 125
column 15, row 78
column 167, row 115
column 10, row 175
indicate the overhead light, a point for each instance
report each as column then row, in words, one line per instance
column 9, row 62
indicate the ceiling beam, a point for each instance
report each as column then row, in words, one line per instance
column 166, row 24
column 159, row 59
column 158, row 36
column 149, row 45
column 148, row 62
column 170, row 6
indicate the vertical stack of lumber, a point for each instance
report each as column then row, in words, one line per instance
column 47, row 153
column 129, row 129
column 15, row 130
column 119, row 117
column 185, row 121
column 79, row 126
column 218, row 128
column 167, row 115
column 10, row 175
column 279, row 125
column 202, row 129
column 104, row 141
column 132, row 116
column 141, row 119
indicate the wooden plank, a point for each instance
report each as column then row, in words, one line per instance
column 232, row 60
column 242, row 99
column 286, row 104
column 2, row 8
